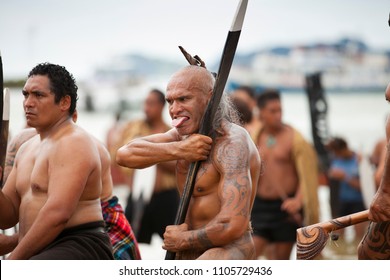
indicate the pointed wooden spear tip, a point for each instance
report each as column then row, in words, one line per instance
column 389, row 19
column 1, row 73
column 239, row 17
column 6, row 102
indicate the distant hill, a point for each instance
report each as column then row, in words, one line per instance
column 346, row 65
column 133, row 68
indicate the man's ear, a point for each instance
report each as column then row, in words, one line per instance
column 65, row 103
column 210, row 93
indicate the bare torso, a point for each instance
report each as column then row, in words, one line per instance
column 206, row 202
column 34, row 166
column 279, row 178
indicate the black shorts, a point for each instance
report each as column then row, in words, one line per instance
column 159, row 213
column 272, row 223
column 83, row 242
column 350, row 207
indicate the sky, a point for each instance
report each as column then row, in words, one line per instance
column 85, row 34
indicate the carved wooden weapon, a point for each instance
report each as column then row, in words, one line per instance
column 212, row 107
column 312, row 239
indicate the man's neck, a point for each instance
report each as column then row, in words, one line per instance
column 272, row 129
column 48, row 131
column 155, row 124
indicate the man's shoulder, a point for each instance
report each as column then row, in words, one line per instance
column 237, row 131
column 234, row 134
column 73, row 137
column 297, row 135
column 28, row 142
column 27, row 132
column 23, row 136
column 134, row 128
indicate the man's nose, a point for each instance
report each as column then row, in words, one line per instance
column 174, row 108
column 28, row 101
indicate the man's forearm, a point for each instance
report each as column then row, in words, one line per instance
column 141, row 154
column 213, row 235
column 9, row 215
column 8, row 243
column 43, row 231
column 385, row 180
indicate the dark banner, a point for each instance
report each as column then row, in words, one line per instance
column 318, row 114
column 321, row 134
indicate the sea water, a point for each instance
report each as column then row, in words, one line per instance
column 357, row 117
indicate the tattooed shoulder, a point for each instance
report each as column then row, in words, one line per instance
column 232, row 153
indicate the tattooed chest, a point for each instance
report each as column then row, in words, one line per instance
column 206, row 181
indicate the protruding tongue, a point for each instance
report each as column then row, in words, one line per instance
column 178, row 121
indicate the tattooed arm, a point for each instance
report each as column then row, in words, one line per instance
column 380, row 205
column 375, row 245
column 231, row 158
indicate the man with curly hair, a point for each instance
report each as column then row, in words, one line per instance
column 54, row 188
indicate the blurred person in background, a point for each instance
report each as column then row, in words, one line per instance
column 244, row 112
column 112, row 142
column 344, row 168
column 151, row 216
column 246, row 94
column 286, row 196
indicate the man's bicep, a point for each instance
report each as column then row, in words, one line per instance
column 169, row 136
column 235, row 187
column 70, row 171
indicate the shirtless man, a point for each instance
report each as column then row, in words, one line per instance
column 246, row 94
column 217, row 223
column 287, row 158
column 54, row 187
column 123, row 241
column 376, row 243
